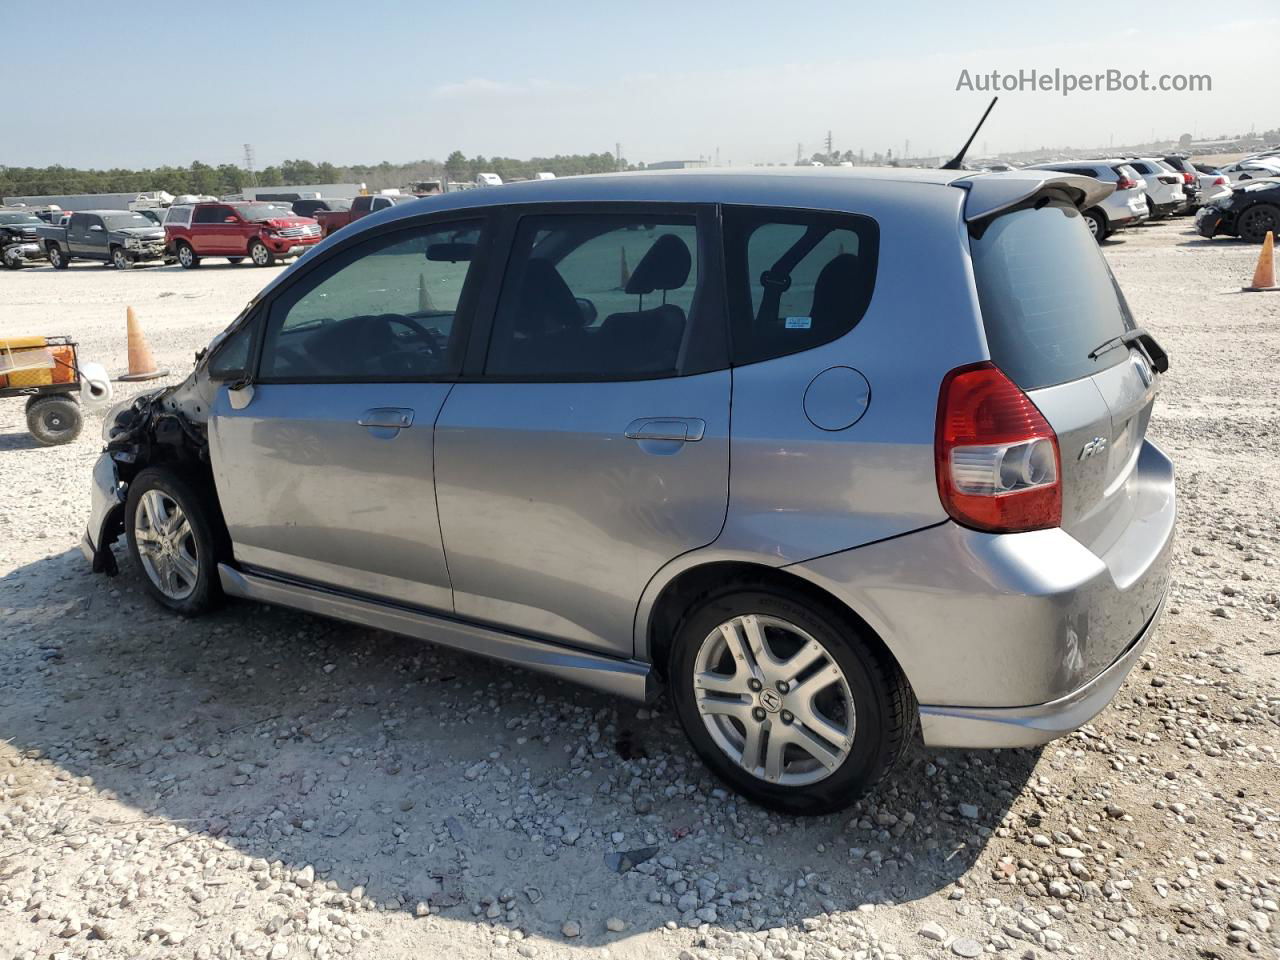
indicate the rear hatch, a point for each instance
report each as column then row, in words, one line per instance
column 1053, row 312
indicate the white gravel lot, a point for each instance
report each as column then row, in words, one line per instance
column 261, row 783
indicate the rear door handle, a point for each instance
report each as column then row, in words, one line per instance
column 393, row 418
column 688, row 429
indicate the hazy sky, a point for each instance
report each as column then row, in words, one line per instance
column 151, row 82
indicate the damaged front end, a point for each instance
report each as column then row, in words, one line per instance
column 166, row 427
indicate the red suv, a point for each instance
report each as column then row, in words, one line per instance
column 263, row 232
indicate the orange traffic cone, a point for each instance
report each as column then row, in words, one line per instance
column 1264, row 277
column 141, row 364
column 624, row 272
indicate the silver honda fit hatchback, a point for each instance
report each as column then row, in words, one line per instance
column 831, row 455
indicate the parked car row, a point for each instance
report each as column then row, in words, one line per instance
column 186, row 233
column 1146, row 188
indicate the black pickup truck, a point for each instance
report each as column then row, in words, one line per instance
column 120, row 237
column 18, row 242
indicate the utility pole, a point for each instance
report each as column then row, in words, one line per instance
column 906, row 150
column 248, row 164
column 617, row 156
column 799, row 150
column 830, row 143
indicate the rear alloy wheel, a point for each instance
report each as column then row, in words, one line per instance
column 1254, row 224
column 260, row 255
column 785, row 701
column 54, row 419
column 1097, row 224
column 171, row 538
column 57, row 259
column 187, row 257
column 120, row 259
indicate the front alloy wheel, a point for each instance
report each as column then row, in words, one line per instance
column 119, row 259
column 261, row 256
column 176, row 537
column 166, row 545
column 774, row 700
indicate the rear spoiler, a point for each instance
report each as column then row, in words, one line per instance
column 992, row 192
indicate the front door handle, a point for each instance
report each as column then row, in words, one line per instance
column 393, row 418
column 688, row 429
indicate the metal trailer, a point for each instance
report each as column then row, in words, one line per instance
column 47, row 373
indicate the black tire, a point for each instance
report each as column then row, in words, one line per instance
column 235, row 260
column 885, row 709
column 1097, row 223
column 1257, row 221
column 58, row 259
column 187, row 258
column 206, row 542
column 54, row 419
column 260, row 255
column 120, row 259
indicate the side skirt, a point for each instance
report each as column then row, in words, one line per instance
column 626, row 678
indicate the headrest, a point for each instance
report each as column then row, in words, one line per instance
column 546, row 303
column 665, row 267
column 837, row 289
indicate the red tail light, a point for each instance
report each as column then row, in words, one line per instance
column 1188, row 179
column 997, row 459
column 1220, row 181
column 1124, row 183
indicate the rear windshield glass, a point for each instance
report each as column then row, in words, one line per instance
column 1048, row 298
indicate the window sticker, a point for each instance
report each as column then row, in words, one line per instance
column 799, row 323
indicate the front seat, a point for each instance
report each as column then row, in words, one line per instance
column 651, row 338
column 547, row 316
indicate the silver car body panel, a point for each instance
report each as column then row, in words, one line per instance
column 319, row 496
column 553, row 520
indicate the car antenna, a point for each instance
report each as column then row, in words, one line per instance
column 954, row 162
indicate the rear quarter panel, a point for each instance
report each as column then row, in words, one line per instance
column 799, row 491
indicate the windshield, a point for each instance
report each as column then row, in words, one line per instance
column 124, row 221
column 1047, row 296
column 263, row 211
column 19, row 218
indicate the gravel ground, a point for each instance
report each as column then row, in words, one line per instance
column 261, row 783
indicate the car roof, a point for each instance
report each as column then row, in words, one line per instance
column 833, row 188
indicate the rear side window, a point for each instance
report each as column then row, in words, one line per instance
column 1047, row 296
column 796, row 279
column 597, row 296
column 212, row 214
column 181, row 216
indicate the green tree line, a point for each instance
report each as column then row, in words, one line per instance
column 228, row 178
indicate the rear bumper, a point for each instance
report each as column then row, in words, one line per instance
column 1013, row 639
column 978, row 727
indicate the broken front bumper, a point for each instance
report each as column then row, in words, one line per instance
column 106, row 514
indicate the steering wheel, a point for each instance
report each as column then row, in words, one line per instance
column 399, row 361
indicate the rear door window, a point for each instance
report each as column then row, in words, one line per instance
column 1048, row 298
column 598, row 296
column 797, row 279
